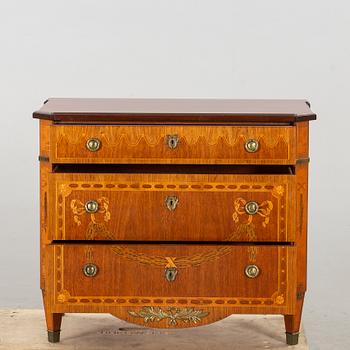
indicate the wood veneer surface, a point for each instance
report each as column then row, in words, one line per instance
column 170, row 110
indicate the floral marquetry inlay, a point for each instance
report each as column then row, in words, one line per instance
column 63, row 296
column 279, row 300
column 174, row 315
column 65, row 190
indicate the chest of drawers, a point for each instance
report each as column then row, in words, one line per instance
column 173, row 213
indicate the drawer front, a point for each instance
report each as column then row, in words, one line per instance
column 176, row 207
column 173, row 144
column 135, row 277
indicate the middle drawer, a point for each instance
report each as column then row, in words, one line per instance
column 171, row 207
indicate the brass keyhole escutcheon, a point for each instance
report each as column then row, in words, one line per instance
column 252, row 271
column 170, row 274
column 91, row 206
column 93, row 144
column 90, row 270
column 171, row 202
column 172, row 141
column 251, row 208
column 251, row 146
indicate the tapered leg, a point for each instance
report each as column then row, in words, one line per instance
column 53, row 322
column 292, row 323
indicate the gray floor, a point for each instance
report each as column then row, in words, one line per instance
column 25, row 330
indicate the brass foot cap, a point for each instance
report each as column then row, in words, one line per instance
column 292, row 338
column 53, row 336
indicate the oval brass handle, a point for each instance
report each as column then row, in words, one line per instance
column 252, row 271
column 170, row 274
column 251, row 146
column 90, row 270
column 93, row 144
column 251, row 208
column 172, row 141
column 171, row 202
column 91, row 206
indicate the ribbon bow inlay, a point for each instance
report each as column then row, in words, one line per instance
column 264, row 211
column 78, row 208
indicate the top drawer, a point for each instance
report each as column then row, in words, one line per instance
column 173, row 144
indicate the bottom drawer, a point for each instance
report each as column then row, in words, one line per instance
column 150, row 282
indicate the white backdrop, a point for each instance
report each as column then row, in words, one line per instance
column 182, row 48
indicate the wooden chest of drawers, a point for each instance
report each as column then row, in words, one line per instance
column 173, row 213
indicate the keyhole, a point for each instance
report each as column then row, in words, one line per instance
column 171, row 202
column 172, row 141
column 170, row 274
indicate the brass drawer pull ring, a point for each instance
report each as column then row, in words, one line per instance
column 171, row 202
column 90, row 270
column 93, row 144
column 251, row 146
column 172, row 141
column 251, row 208
column 252, row 271
column 91, row 206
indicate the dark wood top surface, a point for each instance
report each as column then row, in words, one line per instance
column 174, row 110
